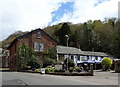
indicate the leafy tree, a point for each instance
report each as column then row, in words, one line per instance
column 52, row 53
column 50, row 57
column 70, row 62
column 94, row 35
column 65, row 30
column 26, row 58
column 48, row 61
column 116, row 40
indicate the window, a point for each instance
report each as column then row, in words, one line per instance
column 78, row 58
column 38, row 34
column 97, row 58
column 41, row 47
column 93, row 58
column 83, row 58
column 36, row 46
column 6, row 64
column 72, row 57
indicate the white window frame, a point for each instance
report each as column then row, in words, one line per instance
column 36, row 46
column 41, row 45
column 38, row 34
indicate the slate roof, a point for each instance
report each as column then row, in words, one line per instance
column 29, row 33
column 68, row 50
column 73, row 50
column 89, row 53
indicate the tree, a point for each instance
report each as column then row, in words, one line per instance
column 116, row 40
column 65, row 30
column 52, row 53
column 70, row 62
column 50, row 57
column 48, row 61
column 84, row 36
column 26, row 58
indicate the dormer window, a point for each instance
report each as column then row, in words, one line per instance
column 38, row 34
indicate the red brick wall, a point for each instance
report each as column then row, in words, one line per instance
column 12, row 58
column 4, row 61
column 29, row 40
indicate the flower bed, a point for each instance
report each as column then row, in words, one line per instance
column 71, row 73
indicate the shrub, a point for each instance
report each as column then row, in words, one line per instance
column 26, row 58
column 70, row 62
column 49, row 70
column 71, row 69
column 78, row 69
column 107, row 62
column 38, row 70
column 59, row 70
column 62, row 70
column 48, row 61
column 25, row 67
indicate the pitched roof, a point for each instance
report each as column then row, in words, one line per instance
column 89, row 53
column 27, row 34
column 68, row 50
column 73, row 50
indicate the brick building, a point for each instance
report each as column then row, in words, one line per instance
column 36, row 39
column 5, row 56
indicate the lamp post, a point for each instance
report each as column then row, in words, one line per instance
column 67, row 50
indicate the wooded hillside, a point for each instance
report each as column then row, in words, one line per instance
column 97, row 35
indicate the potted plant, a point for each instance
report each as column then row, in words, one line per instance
column 106, row 64
column 117, row 67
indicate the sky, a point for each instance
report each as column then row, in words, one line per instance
column 26, row 15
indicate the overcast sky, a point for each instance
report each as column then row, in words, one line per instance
column 26, row 15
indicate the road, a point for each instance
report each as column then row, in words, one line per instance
column 20, row 78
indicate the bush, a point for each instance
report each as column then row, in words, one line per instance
column 78, row 69
column 70, row 62
column 25, row 67
column 48, row 61
column 51, row 69
column 38, row 70
column 26, row 58
column 34, row 63
column 47, row 70
column 107, row 62
column 59, row 70
column 71, row 69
